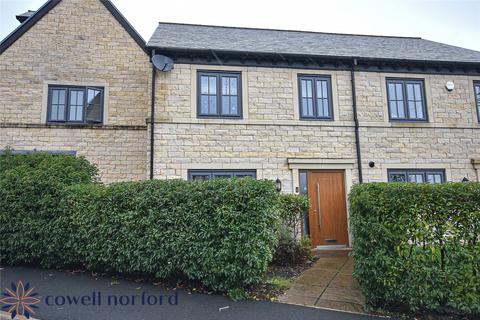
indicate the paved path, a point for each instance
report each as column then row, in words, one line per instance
column 329, row 284
column 190, row 306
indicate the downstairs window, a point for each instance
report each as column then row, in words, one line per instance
column 218, row 174
column 416, row 175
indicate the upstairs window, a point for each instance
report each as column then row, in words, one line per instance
column 219, row 95
column 219, row 174
column 477, row 98
column 406, row 100
column 416, row 175
column 73, row 104
column 315, row 94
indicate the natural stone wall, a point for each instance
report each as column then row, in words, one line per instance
column 262, row 147
column 449, row 149
column 271, row 94
column 119, row 154
column 271, row 130
column 455, row 108
column 78, row 42
column 269, row 133
column 449, row 140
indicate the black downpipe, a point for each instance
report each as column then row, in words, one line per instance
column 152, row 122
column 355, row 119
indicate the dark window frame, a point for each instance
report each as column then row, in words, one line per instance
column 68, row 89
column 404, row 82
column 476, row 85
column 424, row 172
column 303, row 190
column 211, row 173
column 219, row 75
column 313, row 78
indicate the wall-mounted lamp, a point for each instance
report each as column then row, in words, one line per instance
column 371, row 164
column 465, row 179
column 278, row 185
column 450, row 86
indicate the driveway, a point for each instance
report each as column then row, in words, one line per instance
column 65, row 295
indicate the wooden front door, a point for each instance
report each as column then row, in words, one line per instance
column 328, row 208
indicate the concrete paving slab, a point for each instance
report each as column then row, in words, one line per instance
column 339, row 305
column 330, row 282
column 306, row 290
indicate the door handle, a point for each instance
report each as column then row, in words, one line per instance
column 319, row 210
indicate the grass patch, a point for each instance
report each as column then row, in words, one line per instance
column 279, row 282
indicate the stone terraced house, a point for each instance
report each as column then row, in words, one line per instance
column 316, row 111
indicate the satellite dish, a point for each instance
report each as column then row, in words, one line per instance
column 162, row 63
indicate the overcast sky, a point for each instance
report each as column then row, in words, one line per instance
column 455, row 22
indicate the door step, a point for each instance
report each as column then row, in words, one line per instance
column 332, row 251
column 332, row 247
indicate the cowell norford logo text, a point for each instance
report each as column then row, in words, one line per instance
column 21, row 299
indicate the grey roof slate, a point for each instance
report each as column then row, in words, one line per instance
column 202, row 37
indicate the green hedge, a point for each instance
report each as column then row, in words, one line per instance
column 30, row 187
column 220, row 232
column 417, row 245
column 292, row 249
column 292, row 209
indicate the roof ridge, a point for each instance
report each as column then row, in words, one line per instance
column 285, row 30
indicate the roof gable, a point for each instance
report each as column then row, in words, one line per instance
column 49, row 5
